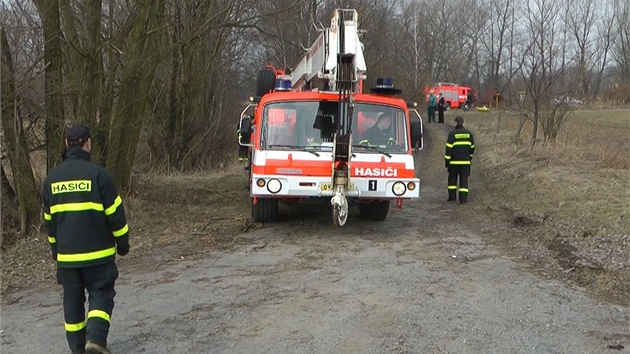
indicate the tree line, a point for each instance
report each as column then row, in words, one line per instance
column 161, row 83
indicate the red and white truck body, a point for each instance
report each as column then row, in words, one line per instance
column 304, row 134
column 455, row 96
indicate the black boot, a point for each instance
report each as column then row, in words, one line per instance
column 93, row 348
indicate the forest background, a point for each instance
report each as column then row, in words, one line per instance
column 162, row 83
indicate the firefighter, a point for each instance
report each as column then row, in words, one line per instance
column 379, row 134
column 86, row 225
column 441, row 106
column 460, row 147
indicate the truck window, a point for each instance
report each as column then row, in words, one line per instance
column 290, row 124
column 366, row 117
column 309, row 124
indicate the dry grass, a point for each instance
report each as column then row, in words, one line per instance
column 571, row 197
column 583, row 178
column 198, row 212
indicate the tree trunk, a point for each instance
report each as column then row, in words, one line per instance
column 173, row 105
column 83, row 69
column 7, row 190
column 53, row 85
column 92, row 77
column 16, row 145
column 143, row 54
column 7, row 204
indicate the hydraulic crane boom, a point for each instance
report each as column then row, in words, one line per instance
column 320, row 63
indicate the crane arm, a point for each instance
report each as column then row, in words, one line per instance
column 320, row 61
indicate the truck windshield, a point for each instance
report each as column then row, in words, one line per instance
column 311, row 125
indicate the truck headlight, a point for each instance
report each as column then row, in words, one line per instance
column 399, row 188
column 274, row 185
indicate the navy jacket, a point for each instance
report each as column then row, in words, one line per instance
column 83, row 213
column 460, row 147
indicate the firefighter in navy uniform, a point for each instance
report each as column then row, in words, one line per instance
column 243, row 151
column 86, row 225
column 460, row 148
column 379, row 133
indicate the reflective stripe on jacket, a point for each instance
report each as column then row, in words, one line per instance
column 460, row 147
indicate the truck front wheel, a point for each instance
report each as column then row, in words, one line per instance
column 376, row 210
column 265, row 209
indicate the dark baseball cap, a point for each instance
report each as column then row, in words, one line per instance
column 459, row 119
column 78, row 132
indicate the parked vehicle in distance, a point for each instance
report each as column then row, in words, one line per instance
column 455, row 96
column 567, row 101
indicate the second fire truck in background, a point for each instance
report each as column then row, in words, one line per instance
column 455, row 96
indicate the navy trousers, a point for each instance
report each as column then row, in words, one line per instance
column 99, row 282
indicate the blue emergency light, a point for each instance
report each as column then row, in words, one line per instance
column 385, row 86
column 283, row 84
column 385, row 82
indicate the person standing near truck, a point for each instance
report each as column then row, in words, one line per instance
column 460, row 148
column 431, row 106
column 87, row 227
column 441, row 109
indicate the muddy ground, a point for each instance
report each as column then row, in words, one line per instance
column 435, row 277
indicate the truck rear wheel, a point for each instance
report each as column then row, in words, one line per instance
column 265, row 209
column 376, row 211
column 265, row 82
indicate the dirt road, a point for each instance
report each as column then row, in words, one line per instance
column 433, row 278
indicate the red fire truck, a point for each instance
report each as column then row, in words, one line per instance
column 455, row 96
column 306, row 133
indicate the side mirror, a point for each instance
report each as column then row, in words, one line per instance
column 245, row 134
column 416, row 131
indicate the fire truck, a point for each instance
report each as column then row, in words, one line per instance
column 305, row 130
column 455, row 96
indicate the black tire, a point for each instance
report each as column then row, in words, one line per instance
column 265, row 209
column 466, row 106
column 265, row 82
column 447, row 106
column 375, row 211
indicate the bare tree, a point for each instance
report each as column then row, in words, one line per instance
column 142, row 56
column 413, row 51
column 12, row 130
column 53, row 59
column 606, row 36
column 580, row 22
column 84, row 72
column 543, row 66
column 621, row 52
column 474, row 32
column 497, row 40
